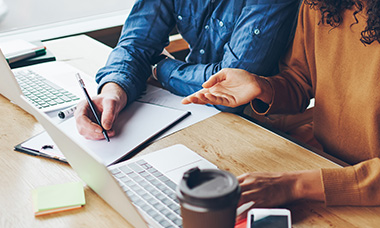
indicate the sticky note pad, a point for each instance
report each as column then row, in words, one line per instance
column 57, row 198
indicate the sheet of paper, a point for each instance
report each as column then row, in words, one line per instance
column 144, row 120
column 165, row 98
column 135, row 125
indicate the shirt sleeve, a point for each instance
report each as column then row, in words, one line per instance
column 259, row 38
column 144, row 35
column 354, row 185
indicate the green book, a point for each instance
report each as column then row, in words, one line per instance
column 57, row 198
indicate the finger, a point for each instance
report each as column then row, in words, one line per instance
column 242, row 177
column 186, row 100
column 202, row 98
column 192, row 99
column 85, row 126
column 217, row 99
column 214, row 79
column 89, row 129
column 109, row 114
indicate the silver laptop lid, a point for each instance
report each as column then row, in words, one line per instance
column 9, row 86
column 89, row 168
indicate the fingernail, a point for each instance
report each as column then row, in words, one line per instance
column 97, row 130
column 107, row 125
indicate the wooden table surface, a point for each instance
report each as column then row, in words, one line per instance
column 227, row 140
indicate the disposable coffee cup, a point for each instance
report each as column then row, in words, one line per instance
column 208, row 198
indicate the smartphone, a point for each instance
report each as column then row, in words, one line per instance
column 268, row 217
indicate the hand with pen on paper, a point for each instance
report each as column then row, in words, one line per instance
column 108, row 104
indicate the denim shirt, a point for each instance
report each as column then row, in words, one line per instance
column 246, row 34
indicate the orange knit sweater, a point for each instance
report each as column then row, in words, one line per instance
column 343, row 74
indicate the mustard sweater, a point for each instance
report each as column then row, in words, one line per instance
column 343, row 74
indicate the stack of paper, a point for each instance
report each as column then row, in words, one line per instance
column 58, row 198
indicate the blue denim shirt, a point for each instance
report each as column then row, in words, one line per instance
column 247, row 34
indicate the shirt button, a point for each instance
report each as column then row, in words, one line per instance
column 221, row 23
column 201, row 51
column 256, row 31
column 179, row 17
column 207, row 27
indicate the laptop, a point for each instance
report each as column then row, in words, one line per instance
column 49, row 86
column 141, row 189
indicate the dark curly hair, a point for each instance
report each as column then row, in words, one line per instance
column 332, row 10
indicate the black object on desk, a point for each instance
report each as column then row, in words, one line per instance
column 48, row 150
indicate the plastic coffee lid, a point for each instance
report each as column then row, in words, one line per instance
column 208, row 188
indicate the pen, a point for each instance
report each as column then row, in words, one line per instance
column 21, row 55
column 64, row 114
column 92, row 106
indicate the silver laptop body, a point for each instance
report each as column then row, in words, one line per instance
column 90, row 168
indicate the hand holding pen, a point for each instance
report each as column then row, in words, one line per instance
column 92, row 106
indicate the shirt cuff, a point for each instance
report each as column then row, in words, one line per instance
column 126, row 84
column 340, row 186
column 165, row 68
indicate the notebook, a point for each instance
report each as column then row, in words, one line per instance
column 160, row 171
column 52, row 86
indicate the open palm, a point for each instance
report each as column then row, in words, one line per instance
column 229, row 87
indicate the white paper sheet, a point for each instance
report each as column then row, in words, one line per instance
column 165, row 98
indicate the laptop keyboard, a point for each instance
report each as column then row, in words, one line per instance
column 42, row 92
column 150, row 191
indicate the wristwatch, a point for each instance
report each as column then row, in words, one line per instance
column 154, row 71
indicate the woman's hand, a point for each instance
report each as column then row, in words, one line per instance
column 273, row 189
column 232, row 88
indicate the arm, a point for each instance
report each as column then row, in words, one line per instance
column 144, row 35
column 121, row 81
column 256, row 43
column 290, row 90
column 353, row 185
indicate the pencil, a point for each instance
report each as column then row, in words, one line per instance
column 92, row 106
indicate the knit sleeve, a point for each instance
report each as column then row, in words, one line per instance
column 353, row 185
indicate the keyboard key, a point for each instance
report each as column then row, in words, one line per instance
column 151, row 191
column 37, row 88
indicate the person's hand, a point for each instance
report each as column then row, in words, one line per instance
column 271, row 189
column 108, row 103
column 232, row 88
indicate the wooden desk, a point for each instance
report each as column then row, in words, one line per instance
column 227, row 140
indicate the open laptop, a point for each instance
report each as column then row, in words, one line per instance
column 141, row 189
column 49, row 86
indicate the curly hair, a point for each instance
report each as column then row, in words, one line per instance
column 332, row 10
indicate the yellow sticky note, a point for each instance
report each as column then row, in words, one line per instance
column 56, row 198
